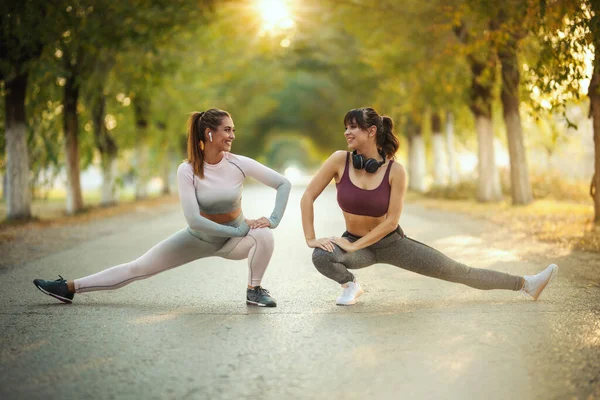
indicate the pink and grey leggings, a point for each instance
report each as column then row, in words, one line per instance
column 181, row 248
column 401, row 251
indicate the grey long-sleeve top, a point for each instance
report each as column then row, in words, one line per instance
column 220, row 191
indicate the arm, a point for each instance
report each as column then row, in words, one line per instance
column 398, row 183
column 270, row 178
column 326, row 173
column 191, row 210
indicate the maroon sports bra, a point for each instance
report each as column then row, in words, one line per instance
column 354, row 200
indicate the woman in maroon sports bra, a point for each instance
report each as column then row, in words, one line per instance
column 370, row 192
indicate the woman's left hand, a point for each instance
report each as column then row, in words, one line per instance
column 344, row 244
column 262, row 222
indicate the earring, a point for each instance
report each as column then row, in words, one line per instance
column 210, row 136
column 201, row 145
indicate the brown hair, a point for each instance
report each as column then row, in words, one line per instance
column 196, row 126
column 365, row 118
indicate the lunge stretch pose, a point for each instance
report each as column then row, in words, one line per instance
column 210, row 185
column 370, row 192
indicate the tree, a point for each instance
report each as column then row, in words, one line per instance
column 452, row 172
column 105, row 143
column 568, row 30
column 22, row 38
column 482, row 63
column 507, row 21
column 594, row 94
column 439, row 150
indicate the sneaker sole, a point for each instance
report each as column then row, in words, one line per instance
column 353, row 300
column 254, row 303
column 554, row 270
column 63, row 299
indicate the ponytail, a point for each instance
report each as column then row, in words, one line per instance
column 195, row 143
column 386, row 140
column 196, row 126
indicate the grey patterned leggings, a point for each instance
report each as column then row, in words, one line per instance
column 406, row 253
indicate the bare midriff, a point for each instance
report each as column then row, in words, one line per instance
column 223, row 218
column 360, row 225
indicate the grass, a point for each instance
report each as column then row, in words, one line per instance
column 565, row 223
column 52, row 209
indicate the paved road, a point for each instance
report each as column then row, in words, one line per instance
column 187, row 333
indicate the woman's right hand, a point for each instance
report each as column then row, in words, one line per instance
column 323, row 243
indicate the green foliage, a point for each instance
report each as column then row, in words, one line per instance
column 403, row 58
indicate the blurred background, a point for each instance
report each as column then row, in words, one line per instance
column 491, row 100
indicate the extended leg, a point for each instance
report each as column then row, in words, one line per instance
column 178, row 249
column 415, row 256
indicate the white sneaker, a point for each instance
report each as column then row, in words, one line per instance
column 535, row 284
column 352, row 291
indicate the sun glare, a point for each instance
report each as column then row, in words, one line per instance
column 275, row 15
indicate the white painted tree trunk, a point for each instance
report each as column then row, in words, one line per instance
column 18, row 196
column 166, row 173
column 109, row 175
column 71, row 132
column 488, row 184
column 418, row 164
column 451, row 151
column 439, row 159
column 410, row 164
column 141, row 166
column 169, row 173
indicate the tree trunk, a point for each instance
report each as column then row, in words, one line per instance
column 141, row 108
column 488, row 181
column 410, row 162
column 18, row 194
column 520, row 184
column 488, row 184
column 4, row 186
column 140, row 162
column 167, row 159
column 166, row 177
column 107, row 148
column 482, row 65
column 419, row 164
column 450, row 150
column 439, row 156
column 71, row 127
column 417, row 167
column 594, row 95
column 109, row 175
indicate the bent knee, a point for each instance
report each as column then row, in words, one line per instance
column 263, row 236
column 322, row 258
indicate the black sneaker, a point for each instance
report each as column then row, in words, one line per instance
column 260, row 297
column 57, row 289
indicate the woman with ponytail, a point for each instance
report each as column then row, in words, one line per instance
column 370, row 192
column 210, row 185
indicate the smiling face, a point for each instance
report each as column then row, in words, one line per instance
column 357, row 137
column 222, row 137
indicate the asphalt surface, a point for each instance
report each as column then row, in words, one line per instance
column 187, row 333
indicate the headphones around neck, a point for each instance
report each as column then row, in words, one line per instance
column 370, row 165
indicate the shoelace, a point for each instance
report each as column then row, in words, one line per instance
column 262, row 290
column 60, row 280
